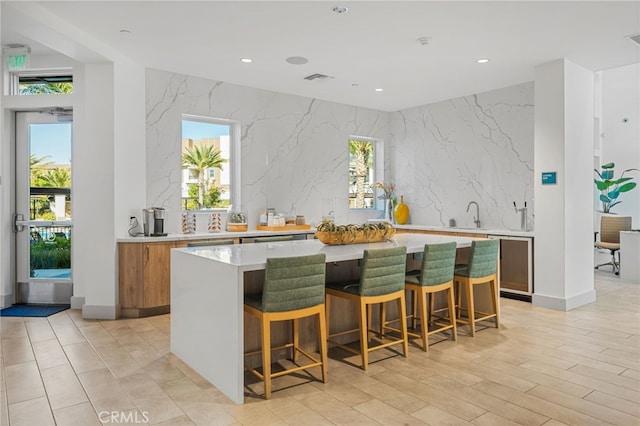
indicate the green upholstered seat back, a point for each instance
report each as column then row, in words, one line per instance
column 438, row 263
column 483, row 258
column 292, row 283
column 383, row 271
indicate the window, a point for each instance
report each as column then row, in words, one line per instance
column 364, row 168
column 210, row 163
column 41, row 82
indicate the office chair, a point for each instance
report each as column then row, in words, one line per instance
column 610, row 227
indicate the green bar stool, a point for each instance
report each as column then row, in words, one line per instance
column 482, row 269
column 293, row 289
column 381, row 281
column 436, row 275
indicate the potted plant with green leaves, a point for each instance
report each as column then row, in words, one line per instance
column 611, row 188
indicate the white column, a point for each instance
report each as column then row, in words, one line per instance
column 564, row 109
column 94, row 249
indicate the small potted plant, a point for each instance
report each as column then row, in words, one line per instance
column 236, row 220
column 610, row 188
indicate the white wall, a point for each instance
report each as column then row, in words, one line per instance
column 564, row 216
column 621, row 140
column 479, row 147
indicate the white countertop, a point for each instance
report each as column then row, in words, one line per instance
column 210, row 236
column 506, row 232
column 249, row 257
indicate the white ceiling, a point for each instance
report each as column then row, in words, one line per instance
column 374, row 45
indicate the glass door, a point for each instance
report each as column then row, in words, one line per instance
column 43, row 221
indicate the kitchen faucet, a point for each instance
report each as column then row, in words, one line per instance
column 476, row 218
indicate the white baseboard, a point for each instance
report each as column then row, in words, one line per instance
column 108, row 312
column 77, row 302
column 560, row 304
column 7, row 300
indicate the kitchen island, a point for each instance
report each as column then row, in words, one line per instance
column 207, row 296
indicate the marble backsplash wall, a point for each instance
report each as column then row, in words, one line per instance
column 478, row 147
column 294, row 149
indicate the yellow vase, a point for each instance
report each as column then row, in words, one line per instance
column 402, row 212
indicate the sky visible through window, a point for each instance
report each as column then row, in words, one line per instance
column 200, row 129
column 51, row 140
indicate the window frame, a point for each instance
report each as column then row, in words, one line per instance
column 13, row 80
column 235, row 195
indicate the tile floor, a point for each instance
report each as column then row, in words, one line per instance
column 541, row 367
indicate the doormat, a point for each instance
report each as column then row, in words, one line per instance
column 32, row 310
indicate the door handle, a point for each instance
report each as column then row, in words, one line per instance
column 18, row 222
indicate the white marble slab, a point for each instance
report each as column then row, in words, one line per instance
column 294, row 149
column 479, row 147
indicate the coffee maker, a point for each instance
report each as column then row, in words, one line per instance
column 153, row 221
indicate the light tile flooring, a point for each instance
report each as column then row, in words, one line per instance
column 541, row 367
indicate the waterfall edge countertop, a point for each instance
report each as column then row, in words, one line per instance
column 487, row 231
column 251, row 257
column 207, row 296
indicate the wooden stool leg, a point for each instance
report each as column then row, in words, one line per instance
column 459, row 301
column 424, row 322
column 414, row 309
column 266, row 356
column 452, row 314
column 296, row 340
column 494, row 298
column 364, row 326
column 383, row 318
column 322, row 332
column 327, row 311
column 431, row 307
column 470, row 308
column 402, row 312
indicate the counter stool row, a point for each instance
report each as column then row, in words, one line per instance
column 295, row 288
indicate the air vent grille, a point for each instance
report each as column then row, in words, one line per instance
column 317, row 77
column 635, row 38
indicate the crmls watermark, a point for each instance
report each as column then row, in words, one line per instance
column 115, row 417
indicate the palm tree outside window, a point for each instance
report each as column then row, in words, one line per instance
column 361, row 173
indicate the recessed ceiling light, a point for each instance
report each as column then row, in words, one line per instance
column 297, row 60
column 379, row 90
column 246, row 60
column 340, row 9
column 482, row 60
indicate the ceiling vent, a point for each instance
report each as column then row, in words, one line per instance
column 635, row 38
column 317, row 77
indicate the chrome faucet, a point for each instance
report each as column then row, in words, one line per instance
column 476, row 218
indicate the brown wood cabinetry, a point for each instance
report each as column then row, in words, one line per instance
column 144, row 275
column 144, row 278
